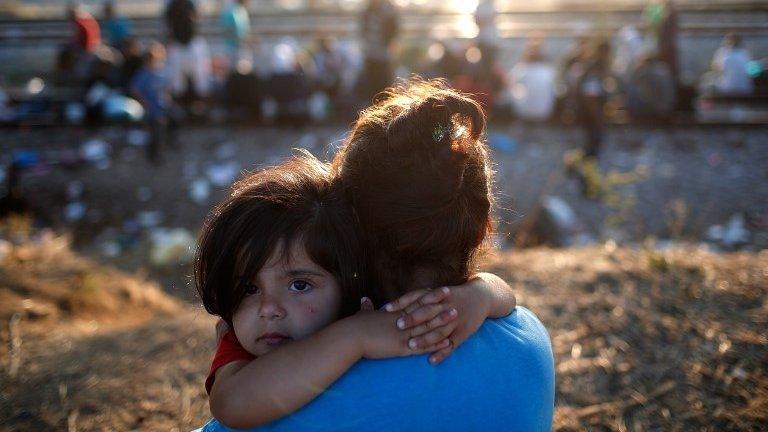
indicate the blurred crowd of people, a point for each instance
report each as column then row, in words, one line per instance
column 161, row 82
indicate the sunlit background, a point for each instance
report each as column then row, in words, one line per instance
column 647, row 263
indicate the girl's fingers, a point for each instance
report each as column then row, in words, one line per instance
column 417, row 299
column 437, row 347
column 431, row 297
column 422, row 315
column 442, row 319
column 433, row 337
column 404, row 301
column 438, row 356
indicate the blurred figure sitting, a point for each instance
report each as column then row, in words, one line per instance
column 329, row 64
column 87, row 35
column 86, row 38
column 237, row 30
column 485, row 82
column 450, row 61
column 102, row 81
column 243, row 92
column 289, row 85
column 150, row 88
column 188, row 56
column 117, row 29
column 729, row 73
column 650, row 89
column 533, row 84
column 133, row 60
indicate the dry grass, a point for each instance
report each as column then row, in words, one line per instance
column 643, row 340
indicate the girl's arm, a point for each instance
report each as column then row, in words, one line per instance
column 248, row 394
column 484, row 296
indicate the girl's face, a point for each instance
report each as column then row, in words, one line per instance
column 289, row 299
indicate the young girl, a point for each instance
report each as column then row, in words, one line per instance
column 281, row 261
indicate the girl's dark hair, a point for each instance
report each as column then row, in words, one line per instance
column 416, row 170
column 295, row 201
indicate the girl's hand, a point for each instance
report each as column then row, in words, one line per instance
column 377, row 336
column 468, row 305
column 427, row 317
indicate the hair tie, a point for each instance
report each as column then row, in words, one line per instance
column 440, row 132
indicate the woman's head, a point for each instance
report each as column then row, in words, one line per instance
column 281, row 255
column 416, row 171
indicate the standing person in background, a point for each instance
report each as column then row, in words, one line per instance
column 188, row 57
column 117, row 29
column 668, row 35
column 488, row 33
column 661, row 20
column 237, row 30
column 592, row 97
column 150, row 87
column 380, row 26
column 571, row 68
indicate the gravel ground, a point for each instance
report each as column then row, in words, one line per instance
column 715, row 172
column 664, row 183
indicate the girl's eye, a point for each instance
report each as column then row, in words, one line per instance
column 300, row 286
column 251, row 289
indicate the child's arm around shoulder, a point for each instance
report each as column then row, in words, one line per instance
column 501, row 299
column 247, row 394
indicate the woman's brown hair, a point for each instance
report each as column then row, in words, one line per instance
column 295, row 201
column 416, row 170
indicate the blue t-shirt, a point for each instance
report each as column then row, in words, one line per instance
column 501, row 379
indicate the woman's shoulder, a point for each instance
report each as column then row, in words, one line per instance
column 520, row 330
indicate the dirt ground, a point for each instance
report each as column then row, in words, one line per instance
column 661, row 182
column 644, row 339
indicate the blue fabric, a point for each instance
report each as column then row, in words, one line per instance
column 117, row 30
column 237, row 25
column 501, row 379
column 151, row 85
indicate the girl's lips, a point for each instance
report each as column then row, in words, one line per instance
column 274, row 339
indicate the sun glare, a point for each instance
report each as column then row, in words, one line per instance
column 463, row 6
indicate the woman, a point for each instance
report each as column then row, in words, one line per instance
column 416, row 171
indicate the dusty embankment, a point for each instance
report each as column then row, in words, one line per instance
column 643, row 340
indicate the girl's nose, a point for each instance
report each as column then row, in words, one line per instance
column 271, row 308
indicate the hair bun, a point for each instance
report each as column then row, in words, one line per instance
column 443, row 127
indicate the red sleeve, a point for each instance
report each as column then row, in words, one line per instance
column 228, row 351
